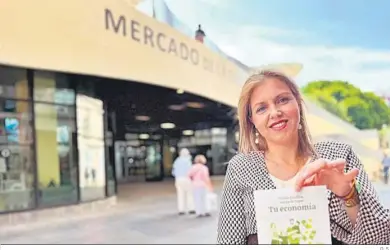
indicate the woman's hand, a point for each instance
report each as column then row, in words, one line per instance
column 210, row 186
column 329, row 173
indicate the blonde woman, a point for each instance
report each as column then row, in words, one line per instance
column 200, row 176
column 275, row 151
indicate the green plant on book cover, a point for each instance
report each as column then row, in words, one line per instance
column 297, row 233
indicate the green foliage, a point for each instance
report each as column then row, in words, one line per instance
column 364, row 110
column 299, row 232
column 329, row 104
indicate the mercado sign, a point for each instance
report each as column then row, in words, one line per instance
column 157, row 39
column 110, row 39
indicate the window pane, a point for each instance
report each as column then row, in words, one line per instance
column 53, row 88
column 13, row 83
column 57, row 172
column 111, row 187
column 16, row 157
column 91, row 147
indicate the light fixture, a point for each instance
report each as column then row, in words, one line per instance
column 180, row 91
column 130, row 136
column 167, row 125
column 176, row 107
column 195, row 105
column 144, row 136
column 156, row 137
column 188, row 132
column 143, row 118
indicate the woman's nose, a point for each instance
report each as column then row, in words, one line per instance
column 274, row 112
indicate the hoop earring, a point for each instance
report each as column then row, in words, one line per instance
column 257, row 138
column 300, row 126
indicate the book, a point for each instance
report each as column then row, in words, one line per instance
column 287, row 217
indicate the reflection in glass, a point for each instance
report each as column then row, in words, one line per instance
column 13, row 84
column 55, row 140
column 111, row 187
column 57, row 172
column 153, row 161
column 53, row 88
column 16, row 157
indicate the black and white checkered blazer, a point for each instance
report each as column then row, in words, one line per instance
column 246, row 173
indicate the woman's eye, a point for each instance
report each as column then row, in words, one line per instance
column 284, row 100
column 260, row 109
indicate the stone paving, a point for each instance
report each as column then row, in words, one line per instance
column 384, row 194
column 156, row 224
column 153, row 222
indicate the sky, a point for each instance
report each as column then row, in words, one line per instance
column 334, row 40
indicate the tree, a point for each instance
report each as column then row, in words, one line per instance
column 380, row 110
column 364, row 110
column 358, row 111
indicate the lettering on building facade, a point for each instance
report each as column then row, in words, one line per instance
column 144, row 34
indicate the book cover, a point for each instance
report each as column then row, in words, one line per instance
column 287, row 217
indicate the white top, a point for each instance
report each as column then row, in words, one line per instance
column 286, row 184
column 282, row 183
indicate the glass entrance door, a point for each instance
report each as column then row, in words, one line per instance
column 139, row 160
column 154, row 161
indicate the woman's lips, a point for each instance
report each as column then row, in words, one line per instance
column 280, row 125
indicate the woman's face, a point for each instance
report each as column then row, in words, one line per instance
column 275, row 111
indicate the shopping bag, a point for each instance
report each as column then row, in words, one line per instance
column 212, row 202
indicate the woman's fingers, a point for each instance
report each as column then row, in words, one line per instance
column 309, row 181
column 336, row 164
column 308, row 172
column 330, row 173
column 339, row 165
column 351, row 175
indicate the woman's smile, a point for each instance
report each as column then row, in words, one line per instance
column 279, row 125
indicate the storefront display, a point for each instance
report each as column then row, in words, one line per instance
column 47, row 160
column 90, row 138
column 54, row 121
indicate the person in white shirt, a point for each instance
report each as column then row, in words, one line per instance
column 386, row 167
column 184, row 192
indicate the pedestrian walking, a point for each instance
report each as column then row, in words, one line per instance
column 386, row 167
column 200, row 176
column 183, row 185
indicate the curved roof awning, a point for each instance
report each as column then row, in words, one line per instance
column 110, row 39
column 289, row 69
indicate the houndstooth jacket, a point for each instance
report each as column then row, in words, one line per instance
column 246, row 173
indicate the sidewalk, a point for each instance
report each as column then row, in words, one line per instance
column 146, row 204
column 150, row 223
column 146, row 216
column 138, row 195
column 384, row 193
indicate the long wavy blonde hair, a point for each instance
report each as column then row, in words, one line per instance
column 247, row 129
